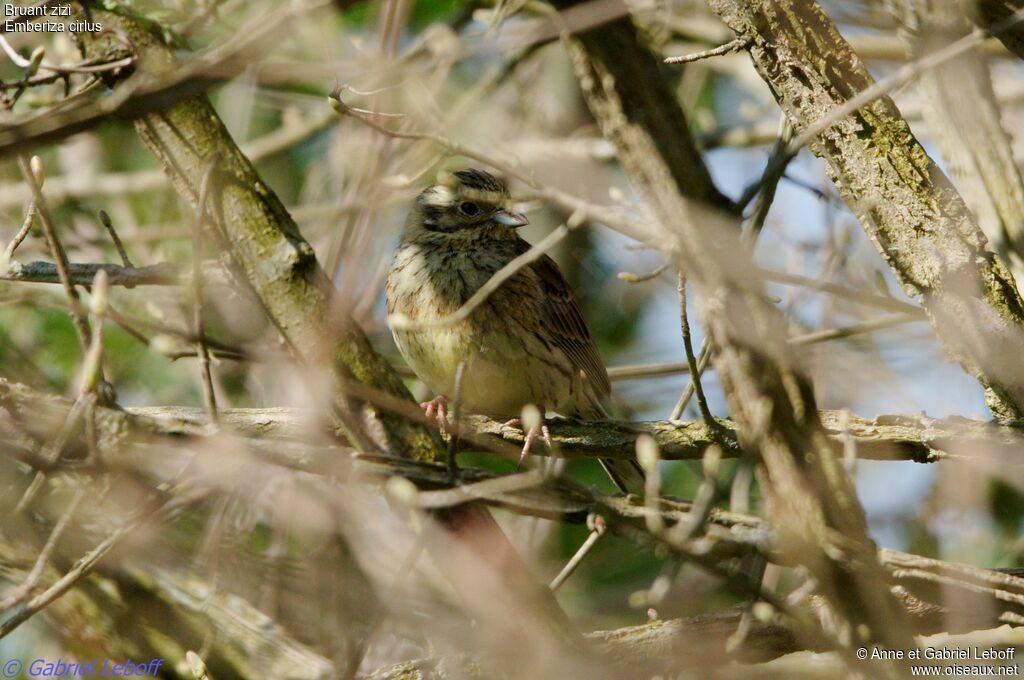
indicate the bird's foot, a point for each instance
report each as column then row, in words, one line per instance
column 437, row 408
column 541, row 427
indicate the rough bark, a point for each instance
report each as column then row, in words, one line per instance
column 915, row 438
column 810, row 497
column 907, row 206
column 287, row 433
column 262, row 244
column 963, row 118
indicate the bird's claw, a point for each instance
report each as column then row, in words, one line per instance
column 437, row 408
column 531, row 435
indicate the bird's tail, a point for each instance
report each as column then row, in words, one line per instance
column 625, row 473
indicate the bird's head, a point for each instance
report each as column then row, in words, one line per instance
column 467, row 199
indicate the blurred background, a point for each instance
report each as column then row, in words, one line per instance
column 494, row 78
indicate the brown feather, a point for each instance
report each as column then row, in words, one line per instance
column 563, row 320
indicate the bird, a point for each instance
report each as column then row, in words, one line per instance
column 525, row 344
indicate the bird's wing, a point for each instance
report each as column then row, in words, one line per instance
column 565, row 325
column 563, row 321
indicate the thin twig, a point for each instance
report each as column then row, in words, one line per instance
column 731, row 46
column 84, row 566
column 122, row 253
column 708, row 494
column 629, row 277
column 637, row 371
column 839, row 290
column 160, row 274
column 83, row 67
column 465, row 493
column 92, row 366
column 765, row 187
column 868, row 326
column 577, row 558
column 702, row 363
column 648, row 455
column 209, row 396
column 26, row 227
column 60, row 258
column 691, row 360
column 215, row 347
column 18, row 594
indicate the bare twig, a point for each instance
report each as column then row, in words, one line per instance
column 708, row 494
column 691, row 360
column 162, row 274
column 83, row 67
column 629, row 277
column 109, row 226
column 19, row 593
column 731, row 46
column 702, row 363
column 26, row 227
column 209, row 396
column 85, row 565
column 595, row 534
column 81, row 323
column 465, row 493
column 860, row 297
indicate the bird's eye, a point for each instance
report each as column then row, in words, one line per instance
column 468, row 208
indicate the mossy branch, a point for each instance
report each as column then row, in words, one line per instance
column 263, row 246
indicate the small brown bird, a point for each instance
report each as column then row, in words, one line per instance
column 526, row 343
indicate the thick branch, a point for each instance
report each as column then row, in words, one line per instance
column 809, row 496
column 964, row 119
column 908, row 207
column 915, row 438
column 264, row 243
column 890, row 437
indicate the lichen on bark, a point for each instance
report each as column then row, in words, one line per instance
column 907, row 206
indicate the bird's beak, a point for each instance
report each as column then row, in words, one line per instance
column 511, row 218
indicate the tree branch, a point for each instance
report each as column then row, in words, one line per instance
column 279, row 266
column 904, row 202
column 127, row 440
column 809, row 496
column 160, row 274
